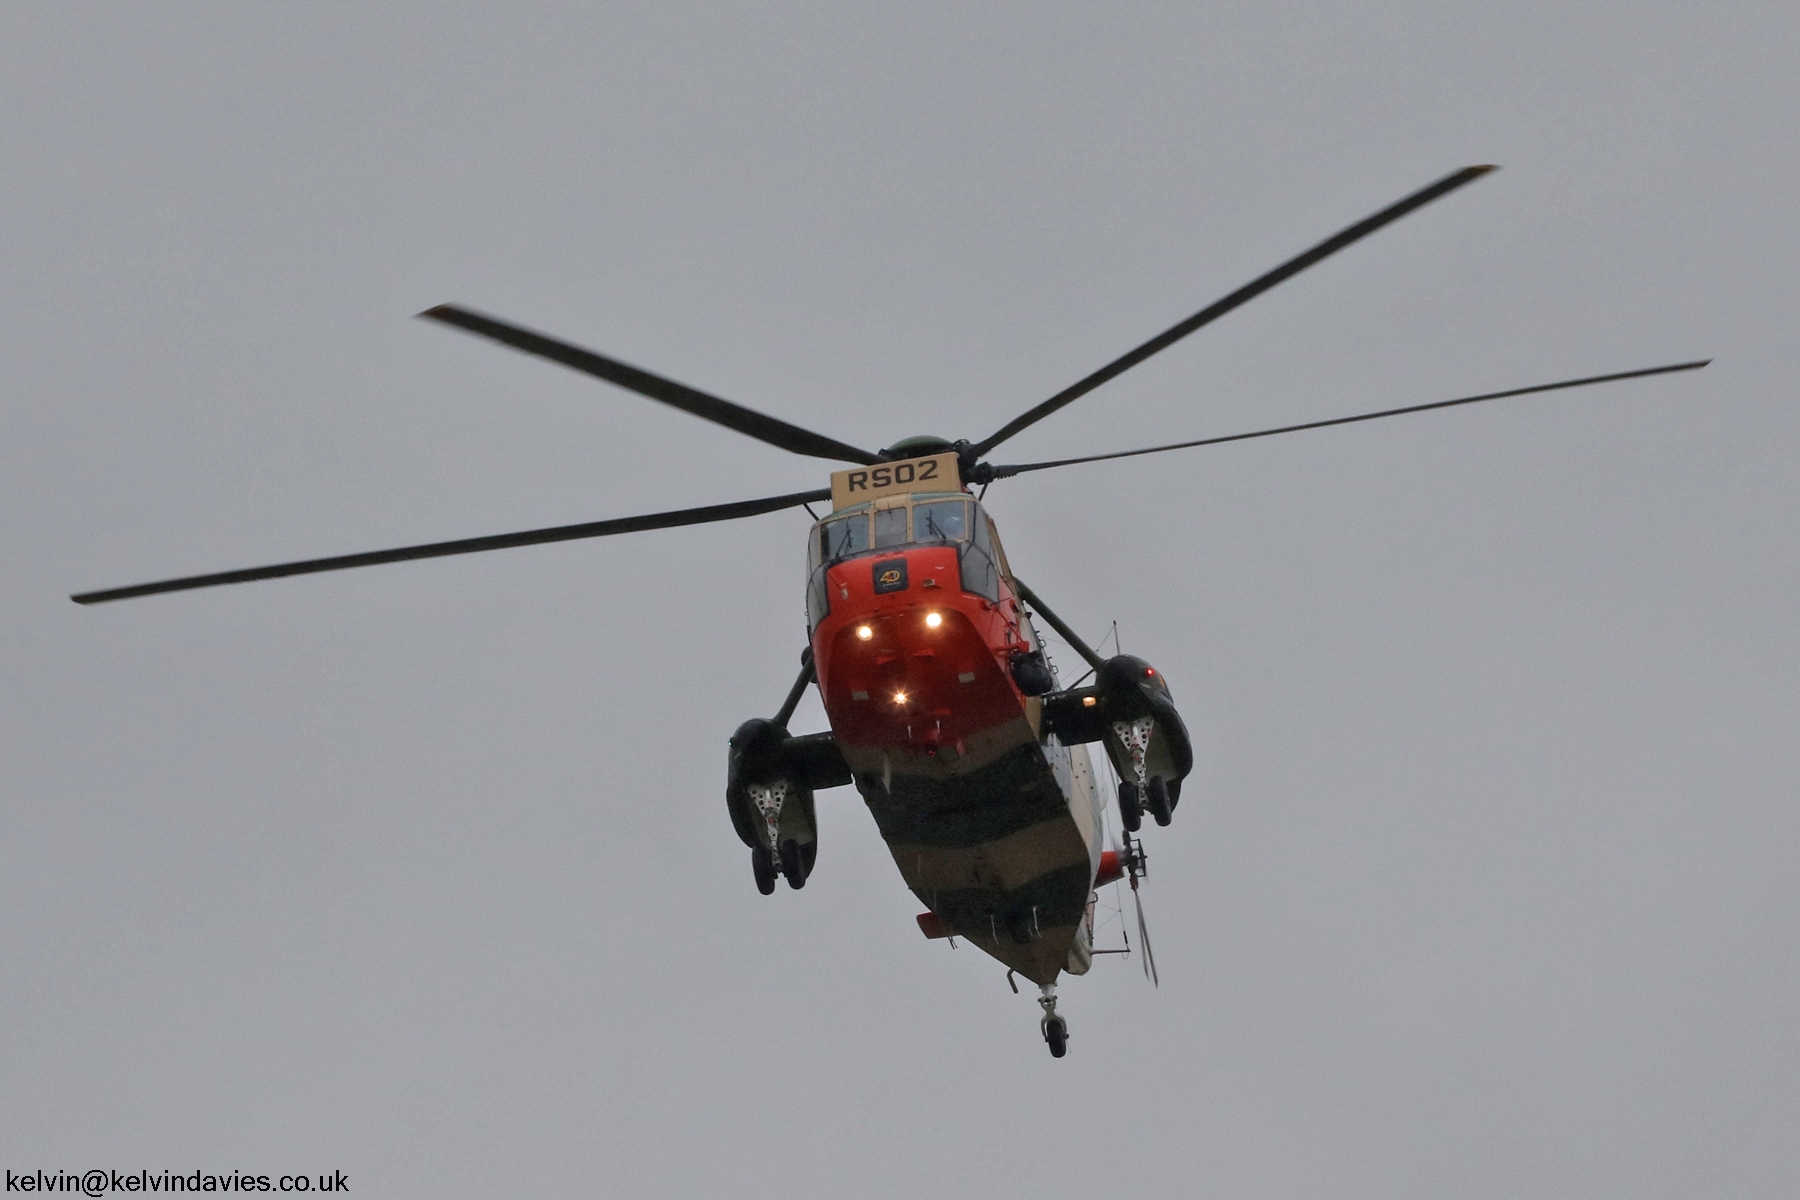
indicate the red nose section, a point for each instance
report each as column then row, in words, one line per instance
column 907, row 659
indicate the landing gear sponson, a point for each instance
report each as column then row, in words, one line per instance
column 769, row 786
column 1127, row 708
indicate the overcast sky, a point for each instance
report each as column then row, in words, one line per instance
column 1485, row 884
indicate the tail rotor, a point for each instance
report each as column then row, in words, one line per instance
column 1133, row 859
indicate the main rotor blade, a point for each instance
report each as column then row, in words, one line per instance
column 499, row 541
column 1213, row 312
column 748, row 421
column 1006, row 472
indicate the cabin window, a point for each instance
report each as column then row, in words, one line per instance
column 979, row 574
column 941, row 521
column 818, row 598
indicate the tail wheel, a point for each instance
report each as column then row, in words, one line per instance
column 1131, row 809
column 793, row 866
column 763, row 864
column 1157, row 801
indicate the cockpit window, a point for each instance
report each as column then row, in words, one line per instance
column 936, row 521
column 840, row 537
column 941, row 521
column 890, row 527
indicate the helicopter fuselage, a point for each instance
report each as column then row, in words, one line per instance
column 994, row 826
column 946, row 714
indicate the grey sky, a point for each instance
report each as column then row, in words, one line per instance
column 1485, row 885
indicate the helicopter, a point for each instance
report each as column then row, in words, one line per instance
column 945, row 710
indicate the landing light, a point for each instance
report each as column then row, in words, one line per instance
column 899, row 697
column 934, row 619
column 864, row 632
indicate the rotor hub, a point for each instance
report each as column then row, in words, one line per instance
column 917, row 447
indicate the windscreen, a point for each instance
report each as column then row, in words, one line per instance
column 840, row 537
column 933, row 522
column 890, row 527
column 941, row 521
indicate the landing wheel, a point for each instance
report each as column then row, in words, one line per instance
column 793, row 869
column 1158, row 800
column 1131, row 810
column 763, row 863
column 1056, row 1033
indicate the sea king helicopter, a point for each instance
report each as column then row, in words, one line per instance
column 945, row 710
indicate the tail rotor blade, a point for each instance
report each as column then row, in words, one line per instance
column 1144, row 937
